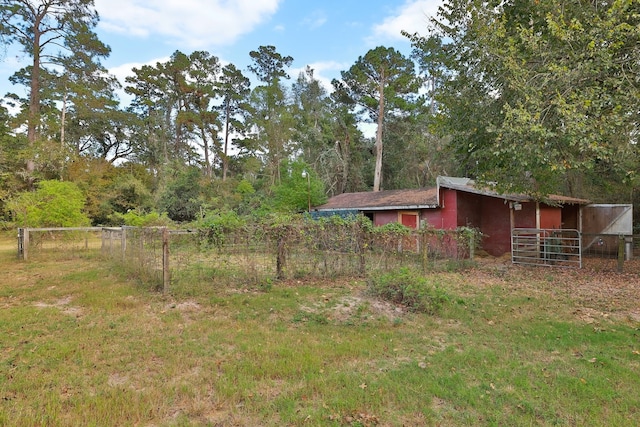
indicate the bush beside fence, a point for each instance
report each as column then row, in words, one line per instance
column 259, row 253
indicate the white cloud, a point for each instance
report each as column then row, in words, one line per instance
column 195, row 23
column 123, row 71
column 368, row 129
column 126, row 70
column 412, row 17
column 315, row 20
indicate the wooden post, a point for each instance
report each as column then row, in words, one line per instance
column 361, row 251
column 165, row 260
column 123, row 243
column 620, row 253
column 25, row 244
column 472, row 244
column 142, row 235
column 20, row 243
column 424, row 251
column 281, row 258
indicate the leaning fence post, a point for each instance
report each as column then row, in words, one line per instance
column 165, row 260
column 620, row 253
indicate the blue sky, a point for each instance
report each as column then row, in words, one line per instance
column 328, row 35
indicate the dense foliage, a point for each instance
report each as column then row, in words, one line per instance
column 409, row 288
column 53, row 204
column 539, row 96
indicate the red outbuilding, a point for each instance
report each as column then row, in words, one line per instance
column 460, row 202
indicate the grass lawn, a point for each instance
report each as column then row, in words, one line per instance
column 81, row 344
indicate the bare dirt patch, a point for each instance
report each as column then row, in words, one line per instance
column 63, row 305
column 350, row 306
column 185, row 306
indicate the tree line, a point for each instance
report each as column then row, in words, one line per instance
column 538, row 96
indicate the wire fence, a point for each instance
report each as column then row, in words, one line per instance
column 610, row 245
column 258, row 255
column 58, row 242
column 255, row 254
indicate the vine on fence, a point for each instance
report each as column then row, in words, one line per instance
column 296, row 246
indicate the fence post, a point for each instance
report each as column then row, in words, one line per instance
column 424, row 245
column 143, row 233
column 361, row 249
column 25, row 244
column 281, row 259
column 165, row 260
column 20, row 243
column 620, row 253
column 472, row 244
column 123, row 243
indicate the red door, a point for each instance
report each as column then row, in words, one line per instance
column 410, row 220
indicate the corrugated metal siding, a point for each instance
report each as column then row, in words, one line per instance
column 607, row 219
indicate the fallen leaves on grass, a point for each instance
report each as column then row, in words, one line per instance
column 357, row 419
column 597, row 290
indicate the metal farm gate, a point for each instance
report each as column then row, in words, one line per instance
column 547, row 247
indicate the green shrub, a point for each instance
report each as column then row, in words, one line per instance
column 409, row 288
column 394, row 229
column 298, row 188
column 135, row 218
column 223, row 220
column 53, row 204
column 217, row 224
column 180, row 199
column 244, row 188
column 130, row 193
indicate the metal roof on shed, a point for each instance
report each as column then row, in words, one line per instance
column 468, row 185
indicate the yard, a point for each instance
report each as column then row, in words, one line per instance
column 83, row 344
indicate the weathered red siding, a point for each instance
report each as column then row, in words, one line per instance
column 526, row 216
column 570, row 215
column 385, row 217
column 469, row 210
column 444, row 217
column 550, row 217
column 491, row 215
column 496, row 226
